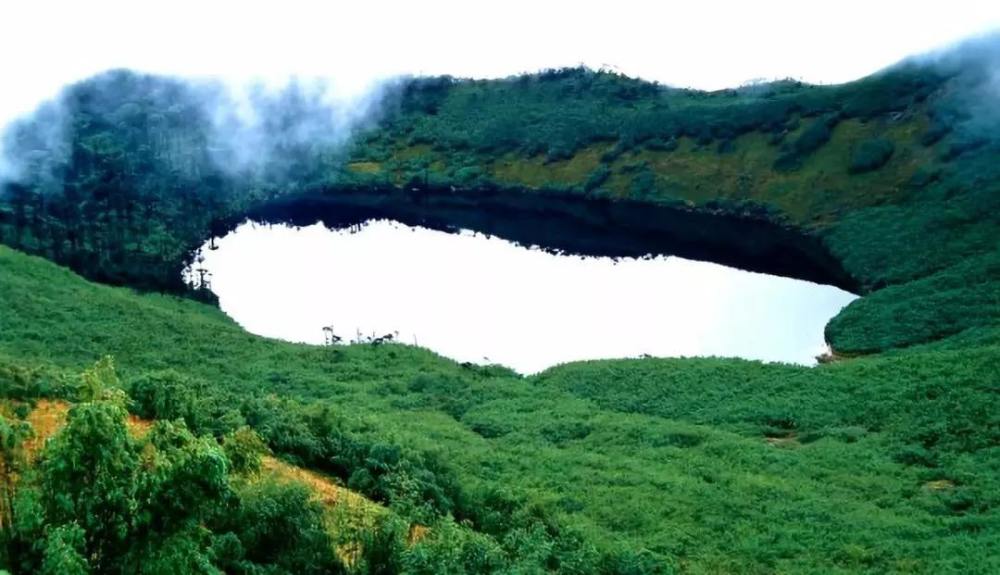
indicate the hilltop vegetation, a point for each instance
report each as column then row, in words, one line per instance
column 883, row 463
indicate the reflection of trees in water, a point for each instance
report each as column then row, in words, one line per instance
column 732, row 233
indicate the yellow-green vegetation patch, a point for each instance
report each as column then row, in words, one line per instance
column 361, row 512
column 536, row 172
column 807, row 195
column 365, row 167
column 742, row 169
column 404, row 151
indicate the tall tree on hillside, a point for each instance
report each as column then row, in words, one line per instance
column 63, row 553
column 90, row 478
column 12, row 458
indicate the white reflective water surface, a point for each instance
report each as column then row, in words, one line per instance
column 486, row 300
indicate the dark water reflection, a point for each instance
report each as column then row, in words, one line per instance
column 480, row 299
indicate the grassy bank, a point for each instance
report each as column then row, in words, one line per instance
column 884, row 464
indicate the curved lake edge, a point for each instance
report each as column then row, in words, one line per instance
column 570, row 224
column 472, row 297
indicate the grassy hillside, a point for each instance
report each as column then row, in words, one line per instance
column 884, row 460
column 881, row 464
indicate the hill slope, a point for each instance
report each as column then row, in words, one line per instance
column 710, row 464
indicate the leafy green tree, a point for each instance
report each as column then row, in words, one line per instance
column 182, row 553
column 451, row 549
column 871, row 155
column 100, row 382
column 170, row 395
column 163, row 395
column 12, row 459
column 184, row 479
column 279, row 525
column 243, row 449
column 382, row 547
column 90, row 477
column 64, row 548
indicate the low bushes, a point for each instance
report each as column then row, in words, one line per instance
column 871, row 155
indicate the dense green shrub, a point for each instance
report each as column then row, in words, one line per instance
column 170, row 395
column 643, row 184
column 661, row 145
column 961, row 297
column 810, row 140
column 20, row 382
column 280, row 525
column 871, row 155
column 597, row 178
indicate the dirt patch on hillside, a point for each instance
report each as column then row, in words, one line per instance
column 46, row 420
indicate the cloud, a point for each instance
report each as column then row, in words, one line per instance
column 262, row 126
column 354, row 46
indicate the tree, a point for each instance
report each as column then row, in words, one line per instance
column 63, row 554
column 281, row 526
column 243, row 449
column 12, row 459
column 90, row 477
column 184, row 480
column 100, row 382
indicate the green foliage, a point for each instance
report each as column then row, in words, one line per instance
column 140, row 180
column 597, row 178
column 383, row 547
column 187, row 478
column 13, row 461
column 64, row 549
column 90, row 477
column 99, row 382
column 182, row 552
column 717, row 465
column 243, row 449
column 878, row 464
column 28, row 383
column 643, row 183
column 811, row 139
column 102, row 501
column 171, row 395
column 961, row 297
column 452, row 549
column 871, row 155
column 561, row 111
column 282, row 526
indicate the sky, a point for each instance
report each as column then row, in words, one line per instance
column 707, row 44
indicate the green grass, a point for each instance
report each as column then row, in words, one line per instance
column 714, row 465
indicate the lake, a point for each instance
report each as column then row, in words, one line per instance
column 483, row 299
